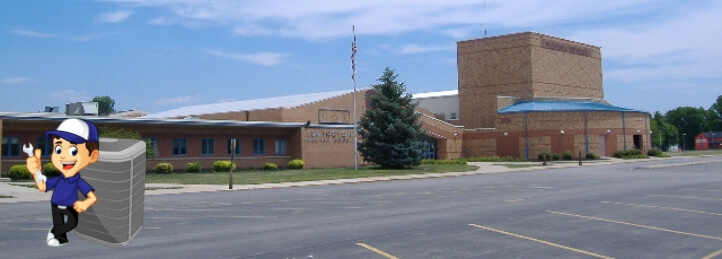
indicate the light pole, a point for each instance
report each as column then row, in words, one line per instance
column 684, row 140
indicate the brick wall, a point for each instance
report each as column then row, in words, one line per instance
column 323, row 148
column 525, row 65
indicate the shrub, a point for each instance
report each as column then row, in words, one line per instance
column 50, row 171
column 19, row 172
column 193, row 167
column 555, row 156
column 270, row 166
column 223, row 166
column 567, row 155
column 296, row 164
column 542, row 154
column 629, row 154
column 164, row 168
column 654, row 152
column 591, row 155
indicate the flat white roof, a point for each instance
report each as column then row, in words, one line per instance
column 290, row 101
column 435, row 94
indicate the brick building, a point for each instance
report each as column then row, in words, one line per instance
column 526, row 93
column 708, row 140
column 518, row 95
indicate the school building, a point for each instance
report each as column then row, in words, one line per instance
column 518, row 95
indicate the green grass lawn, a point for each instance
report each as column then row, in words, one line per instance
column 281, row 176
column 696, row 153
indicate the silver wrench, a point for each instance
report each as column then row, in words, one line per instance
column 38, row 174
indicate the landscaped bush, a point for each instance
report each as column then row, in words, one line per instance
column 655, row 152
column 50, row 171
column 19, row 172
column 270, row 166
column 443, row 162
column 193, row 167
column 542, row 154
column 296, row 164
column 223, row 166
column 555, row 156
column 629, row 154
column 591, row 155
column 164, row 168
column 567, row 155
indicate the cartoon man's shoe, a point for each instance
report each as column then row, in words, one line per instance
column 55, row 243
column 50, row 234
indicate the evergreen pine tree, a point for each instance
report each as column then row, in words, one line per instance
column 390, row 129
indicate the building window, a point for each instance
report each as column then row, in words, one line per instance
column 152, row 146
column 280, row 147
column 44, row 144
column 179, row 146
column 453, row 116
column 259, row 146
column 208, row 147
column 238, row 146
column 11, row 147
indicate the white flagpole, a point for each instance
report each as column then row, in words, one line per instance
column 353, row 78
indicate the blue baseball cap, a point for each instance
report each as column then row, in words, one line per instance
column 76, row 131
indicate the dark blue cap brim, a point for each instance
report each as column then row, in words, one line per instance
column 66, row 135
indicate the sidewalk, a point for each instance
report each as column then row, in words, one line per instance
column 20, row 192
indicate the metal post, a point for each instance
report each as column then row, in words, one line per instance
column 230, row 170
column 624, row 130
column 526, row 139
column 580, row 156
column 684, row 140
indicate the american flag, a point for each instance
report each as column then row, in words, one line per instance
column 353, row 54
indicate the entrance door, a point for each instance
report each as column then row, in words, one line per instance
column 637, row 141
column 430, row 151
column 602, row 145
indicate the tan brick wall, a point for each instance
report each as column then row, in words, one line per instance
column 323, row 148
column 449, row 137
column 254, row 115
column 525, row 65
column 544, row 131
column 565, row 68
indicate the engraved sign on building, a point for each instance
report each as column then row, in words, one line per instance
column 333, row 116
column 565, row 47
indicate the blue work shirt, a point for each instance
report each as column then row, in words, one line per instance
column 66, row 189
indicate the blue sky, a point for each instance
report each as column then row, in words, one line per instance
column 155, row 55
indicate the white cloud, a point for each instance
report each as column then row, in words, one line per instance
column 35, row 34
column 415, row 48
column 114, row 17
column 15, row 80
column 261, row 58
column 178, row 99
column 327, row 19
column 680, row 46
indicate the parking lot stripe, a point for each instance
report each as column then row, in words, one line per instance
column 375, row 250
column 665, row 208
column 635, row 225
column 540, row 241
column 687, row 197
column 712, row 255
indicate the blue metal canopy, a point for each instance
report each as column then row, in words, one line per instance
column 558, row 106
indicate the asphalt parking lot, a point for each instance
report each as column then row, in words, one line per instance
column 630, row 210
